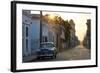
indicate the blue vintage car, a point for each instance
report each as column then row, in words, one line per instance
column 47, row 49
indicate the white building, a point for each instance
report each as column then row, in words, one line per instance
column 26, row 41
column 48, row 35
column 31, row 32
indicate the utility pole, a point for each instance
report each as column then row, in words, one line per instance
column 40, row 26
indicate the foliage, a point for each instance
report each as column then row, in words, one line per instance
column 59, row 21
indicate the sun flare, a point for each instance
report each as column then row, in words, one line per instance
column 51, row 16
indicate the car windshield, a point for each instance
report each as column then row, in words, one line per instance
column 49, row 45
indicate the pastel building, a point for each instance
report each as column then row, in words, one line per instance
column 31, row 32
column 26, row 33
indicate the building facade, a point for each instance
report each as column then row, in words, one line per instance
column 73, row 38
column 30, row 33
column 87, row 38
column 26, row 41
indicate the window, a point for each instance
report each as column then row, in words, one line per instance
column 25, row 20
column 44, row 39
column 31, row 23
column 26, row 31
column 26, row 44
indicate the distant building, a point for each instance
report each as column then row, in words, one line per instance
column 62, row 38
column 53, row 33
column 48, row 34
column 87, row 39
column 73, row 38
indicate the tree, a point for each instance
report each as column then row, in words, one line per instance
column 58, row 21
column 67, row 27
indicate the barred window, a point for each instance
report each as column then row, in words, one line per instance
column 26, row 31
column 26, row 44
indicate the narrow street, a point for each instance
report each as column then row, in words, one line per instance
column 77, row 53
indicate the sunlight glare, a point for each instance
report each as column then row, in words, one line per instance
column 51, row 16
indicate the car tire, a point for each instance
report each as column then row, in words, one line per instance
column 38, row 57
column 54, row 56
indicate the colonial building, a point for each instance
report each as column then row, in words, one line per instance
column 87, row 38
column 30, row 34
column 73, row 38
column 62, row 38
column 55, row 32
column 26, row 37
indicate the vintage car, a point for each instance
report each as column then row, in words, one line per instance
column 47, row 49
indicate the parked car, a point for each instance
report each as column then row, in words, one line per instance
column 47, row 49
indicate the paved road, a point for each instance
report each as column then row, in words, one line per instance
column 77, row 53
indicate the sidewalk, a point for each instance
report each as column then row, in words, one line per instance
column 28, row 58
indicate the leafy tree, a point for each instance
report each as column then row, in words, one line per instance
column 58, row 21
column 67, row 27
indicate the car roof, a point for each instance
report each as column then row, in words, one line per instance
column 47, row 42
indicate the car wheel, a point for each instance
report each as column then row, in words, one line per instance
column 54, row 56
column 38, row 57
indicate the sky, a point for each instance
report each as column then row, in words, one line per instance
column 80, row 20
